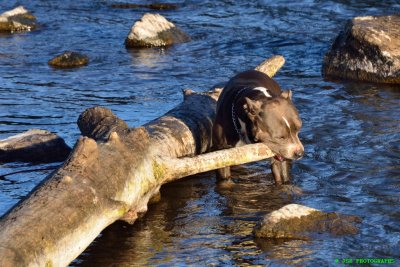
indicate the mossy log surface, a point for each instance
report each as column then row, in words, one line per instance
column 111, row 174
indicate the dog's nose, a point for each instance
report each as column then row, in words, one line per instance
column 299, row 154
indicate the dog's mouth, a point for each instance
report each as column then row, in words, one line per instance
column 279, row 157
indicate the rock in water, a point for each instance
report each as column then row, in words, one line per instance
column 154, row 30
column 16, row 20
column 69, row 60
column 295, row 221
column 34, row 146
column 367, row 50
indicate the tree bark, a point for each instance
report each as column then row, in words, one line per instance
column 111, row 174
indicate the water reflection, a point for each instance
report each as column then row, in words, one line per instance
column 190, row 216
column 286, row 252
column 150, row 239
column 148, row 57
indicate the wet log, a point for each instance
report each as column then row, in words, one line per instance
column 111, row 174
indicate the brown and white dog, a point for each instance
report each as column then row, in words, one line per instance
column 252, row 109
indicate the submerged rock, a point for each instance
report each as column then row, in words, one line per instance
column 367, row 50
column 17, row 19
column 154, row 30
column 295, row 221
column 155, row 6
column 69, row 59
column 34, row 146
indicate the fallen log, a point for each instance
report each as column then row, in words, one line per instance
column 111, row 174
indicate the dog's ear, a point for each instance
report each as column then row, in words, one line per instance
column 252, row 107
column 287, row 94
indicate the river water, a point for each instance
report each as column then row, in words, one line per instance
column 351, row 131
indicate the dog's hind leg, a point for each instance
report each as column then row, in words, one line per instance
column 219, row 142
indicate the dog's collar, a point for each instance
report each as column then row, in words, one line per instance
column 235, row 117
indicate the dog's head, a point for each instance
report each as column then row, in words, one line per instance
column 276, row 123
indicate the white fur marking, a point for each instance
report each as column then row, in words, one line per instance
column 287, row 123
column 263, row 90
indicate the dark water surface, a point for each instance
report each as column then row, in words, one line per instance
column 351, row 130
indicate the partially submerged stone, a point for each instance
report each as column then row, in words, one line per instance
column 367, row 50
column 154, row 30
column 69, row 59
column 155, row 6
column 16, row 20
column 34, row 146
column 295, row 221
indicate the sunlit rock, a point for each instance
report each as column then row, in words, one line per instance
column 154, row 30
column 69, row 60
column 295, row 221
column 155, row 6
column 367, row 50
column 16, row 20
column 34, row 146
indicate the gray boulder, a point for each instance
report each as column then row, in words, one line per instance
column 16, row 20
column 154, row 30
column 34, row 146
column 367, row 50
column 295, row 221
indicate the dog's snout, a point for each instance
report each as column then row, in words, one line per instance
column 299, row 154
